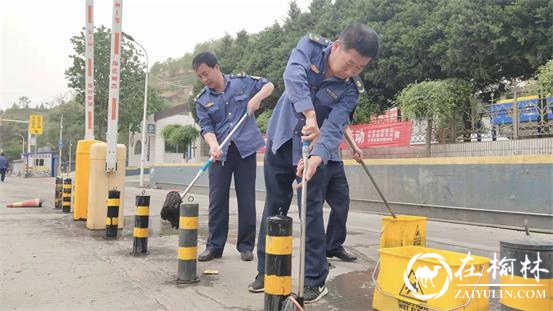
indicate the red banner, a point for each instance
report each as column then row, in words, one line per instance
column 378, row 135
column 394, row 134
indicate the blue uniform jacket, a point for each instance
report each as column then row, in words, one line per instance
column 306, row 88
column 218, row 113
column 3, row 162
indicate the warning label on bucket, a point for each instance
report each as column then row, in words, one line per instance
column 417, row 240
column 405, row 305
column 407, row 293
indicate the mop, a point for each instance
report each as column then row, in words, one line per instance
column 170, row 210
column 372, row 179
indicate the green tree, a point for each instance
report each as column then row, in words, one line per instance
column 73, row 129
column 131, row 95
column 178, row 135
column 263, row 120
column 24, row 102
column 545, row 77
column 438, row 102
column 11, row 132
column 485, row 42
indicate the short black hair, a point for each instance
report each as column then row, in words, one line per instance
column 207, row 58
column 361, row 38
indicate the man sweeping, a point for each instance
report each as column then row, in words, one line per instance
column 320, row 95
column 219, row 106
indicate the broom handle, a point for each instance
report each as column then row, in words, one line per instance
column 303, row 220
column 207, row 164
column 351, row 144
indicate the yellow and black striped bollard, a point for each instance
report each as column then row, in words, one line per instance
column 66, row 196
column 58, row 197
column 188, row 244
column 141, row 220
column 278, row 261
column 112, row 219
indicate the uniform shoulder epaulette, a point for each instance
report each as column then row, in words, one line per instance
column 318, row 38
column 199, row 94
column 238, row 75
column 359, row 84
column 243, row 75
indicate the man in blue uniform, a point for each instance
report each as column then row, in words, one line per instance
column 336, row 194
column 220, row 105
column 319, row 97
column 3, row 166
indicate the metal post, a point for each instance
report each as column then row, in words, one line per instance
column 66, row 197
column 69, row 160
column 142, row 153
column 60, row 145
column 58, row 198
column 28, row 166
column 515, row 114
column 278, row 262
column 112, row 219
column 144, row 111
column 188, row 244
column 34, row 156
column 141, row 222
column 492, row 116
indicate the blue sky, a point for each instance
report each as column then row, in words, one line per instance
column 34, row 35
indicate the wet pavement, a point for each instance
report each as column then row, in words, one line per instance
column 50, row 262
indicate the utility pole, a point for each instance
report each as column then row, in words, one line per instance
column 145, row 107
column 69, row 160
column 60, row 145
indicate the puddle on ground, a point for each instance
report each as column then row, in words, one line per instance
column 351, row 291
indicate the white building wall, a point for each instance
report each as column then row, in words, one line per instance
column 157, row 143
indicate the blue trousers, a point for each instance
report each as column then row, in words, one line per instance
column 336, row 194
column 279, row 176
column 219, row 187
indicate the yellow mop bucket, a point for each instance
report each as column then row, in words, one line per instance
column 403, row 230
column 420, row 278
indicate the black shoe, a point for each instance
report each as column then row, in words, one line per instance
column 208, row 255
column 246, row 256
column 314, row 294
column 342, row 254
column 257, row 286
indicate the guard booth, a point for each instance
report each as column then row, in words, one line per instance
column 40, row 164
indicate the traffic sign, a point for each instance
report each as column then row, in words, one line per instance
column 35, row 124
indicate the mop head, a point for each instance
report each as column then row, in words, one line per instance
column 171, row 208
